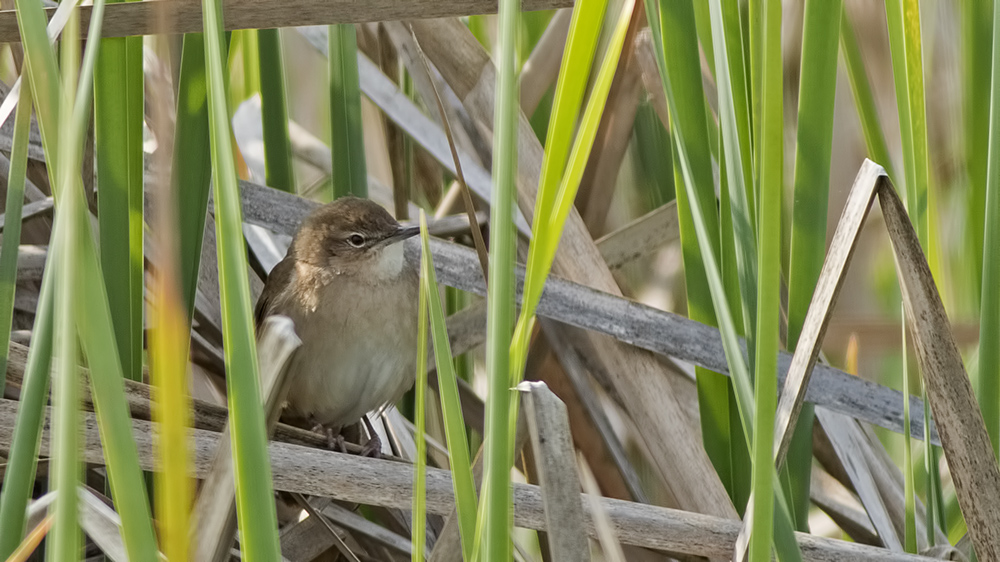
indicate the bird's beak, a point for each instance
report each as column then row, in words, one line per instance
column 403, row 233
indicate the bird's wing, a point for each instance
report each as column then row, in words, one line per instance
column 277, row 281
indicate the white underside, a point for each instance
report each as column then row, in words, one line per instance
column 343, row 369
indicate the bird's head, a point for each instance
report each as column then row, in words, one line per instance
column 353, row 236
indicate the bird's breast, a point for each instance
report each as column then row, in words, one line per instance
column 358, row 348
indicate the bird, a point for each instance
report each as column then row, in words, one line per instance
column 352, row 297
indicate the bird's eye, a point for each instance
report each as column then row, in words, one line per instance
column 356, row 240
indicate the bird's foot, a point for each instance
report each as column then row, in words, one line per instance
column 337, row 443
column 373, row 448
column 334, row 440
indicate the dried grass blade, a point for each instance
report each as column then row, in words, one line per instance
column 470, row 208
column 831, row 279
column 963, row 434
column 337, row 540
column 576, row 373
column 102, row 525
column 556, row 466
column 602, row 523
column 640, row 237
column 31, row 542
column 849, row 444
column 840, row 505
column 382, row 482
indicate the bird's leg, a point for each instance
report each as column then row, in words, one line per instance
column 373, row 448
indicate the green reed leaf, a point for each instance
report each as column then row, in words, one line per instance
column 350, row 176
column 451, row 407
column 254, row 490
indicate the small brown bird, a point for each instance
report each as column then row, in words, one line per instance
column 353, row 299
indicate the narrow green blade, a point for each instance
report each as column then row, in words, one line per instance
column 495, row 523
column 191, row 170
column 988, row 381
column 350, row 176
column 977, row 38
column 680, row 48
column 274, row 113
column 12, row 221
column 811, row 191
column 864, row 99
column 451, row 408
column 118, row 119
column 419, row 524
column 254, row 490
column 762, row 530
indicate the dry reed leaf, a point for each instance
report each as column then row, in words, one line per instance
column 678, row 454
column 576, row 375
column 387, row 483
column 31, row 191
column 555, row 463
column 959, row 421
column 640, row 237
column 540, row 71
column 610, row 546
column 466, row 136
column 964, row 439
column 102, row 525
column 855, row 456
column 600, row 177
column 40, row 207
column 842, row 507
column 850, row 446
column 142, row 18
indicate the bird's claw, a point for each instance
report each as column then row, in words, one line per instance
column 334, row 441
column 373, row 448
column 337, row 443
